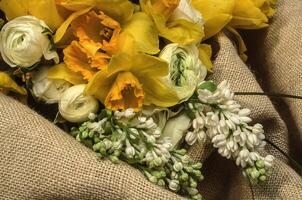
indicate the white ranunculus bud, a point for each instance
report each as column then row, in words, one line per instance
column 186, row 11
column 48, row 90
column 24, row 41
column 75, row 107
column 185, row 69
column 176, row 128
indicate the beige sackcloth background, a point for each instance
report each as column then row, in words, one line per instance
column 39, row 161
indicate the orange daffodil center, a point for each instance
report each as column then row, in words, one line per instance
column 126, row 92
column 97, row 37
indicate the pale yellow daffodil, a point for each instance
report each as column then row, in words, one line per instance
column 179, row 31
column 131, row 81
column 216, row 13
column 8, row 84
column 252, row 14
column 45, row 10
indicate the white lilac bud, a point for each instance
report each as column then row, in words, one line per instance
column 130, row 151
column 174, row 185
column 190, row 138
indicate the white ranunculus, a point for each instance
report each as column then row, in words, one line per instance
column 186, row 70
column 176, row 128
column 75, row 107
column 186, row 11
column 48, row 90
column 23, row 42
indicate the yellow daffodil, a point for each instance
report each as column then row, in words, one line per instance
column 216, row 13
column 131, row 81
column 178, row 31
column 8, row 84
column 45, row 10
column 252, row 14
column 78, row 59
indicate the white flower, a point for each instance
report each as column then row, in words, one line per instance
column 48, row 90
column 186, row 11
column 23, row 42
column 75, row 107
column 186, row 70
column 176, row 128
column 174, row 185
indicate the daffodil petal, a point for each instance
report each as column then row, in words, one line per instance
column 76, row 5
column 100, row 85
column 158, row 93
column 205, row 54
column 63, row 28
column 144, row 33
column 247, row 15
column 62, row 72
column 240, row 43
column 8, row 83
column 216, row 13
column 45, row 10
column 120, row 10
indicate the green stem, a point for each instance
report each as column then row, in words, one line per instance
column 269, row 94
column 291, row 159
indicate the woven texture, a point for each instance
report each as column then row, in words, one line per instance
column 39, row 161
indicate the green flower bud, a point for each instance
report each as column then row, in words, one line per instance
column 184, row 176
column 96, row 147
column 114, row 159
column 260, row 164
column 178, row 166
column 161, row 183
column 262, row 178
column 197, row 165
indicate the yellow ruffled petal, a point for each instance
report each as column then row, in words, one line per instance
column 7, row 83
column 100, row 85
column 216, row 13
column 247, row 15
column 126, row 92
column 78, row 59
column 76, row 5
column 45, row 10
column 62, row 72
column 120, row 10
column 144, row 33
column 63, row 28
column 205, row 54
column 177, row 31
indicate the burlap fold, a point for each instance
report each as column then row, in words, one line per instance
column 39, row 161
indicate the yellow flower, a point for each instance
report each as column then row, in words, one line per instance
column 78, row 59
column 45, row 10
column 216, row 13
column 252, row 14
column 8, row 84
column 178, row 31
column 205, row 54
column 97, row 32
column 129, row 80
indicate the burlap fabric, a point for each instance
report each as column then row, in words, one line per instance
column 39, row 161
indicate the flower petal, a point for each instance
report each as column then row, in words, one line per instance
column 247, row 15
column 76, row 5
column 178, row 31
column 63, row 28
column 217, row 14
column 120, row 10
column 45, row 10
column 62, row 72
column 6, row 82
column 144, row 33
column 205, row 54
column 158, row 93
column 100, row 85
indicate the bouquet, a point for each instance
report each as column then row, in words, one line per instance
column 128, row 79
